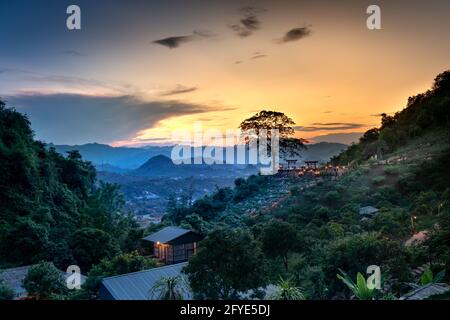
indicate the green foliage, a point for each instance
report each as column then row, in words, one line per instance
column 6, row 293
column 120, row 264
column 90, row 245
column 331, row 197
column 168, row 288
column 286, row 290
column 360, row 288
column 43, row 281
column 230, row 262
column 46, row 197
column 273, row 120
column 424, row 112
column 209, row 208
column 378, row 180
column 428, row 277
column 278, row 239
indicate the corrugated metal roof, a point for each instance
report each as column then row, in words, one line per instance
column 136, row 285
column 13, row 278
column 167, row 234
column 368, row 210
column 426, row 291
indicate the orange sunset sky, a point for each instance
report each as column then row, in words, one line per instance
column 140, row 69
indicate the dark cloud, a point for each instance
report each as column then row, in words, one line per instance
column 296, row 34
column 176, row 41
column 339, row 137
column 258, row 56
column 179, row 89
column 332, row 126
column 380, row 114
column 75, row 119
column 173, row 42
column 249, row 22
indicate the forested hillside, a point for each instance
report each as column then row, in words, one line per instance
column 51, row 207
column 309, row 236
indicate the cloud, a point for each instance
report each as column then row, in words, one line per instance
column 296, row 34
column 75, row 119
column 249, row 22
column 70, row 81
column 179, row 89
column 339, row 137
column 258, row 56
column 176, row 41
column 73, row 53
column 332, row 126
column 173, row 42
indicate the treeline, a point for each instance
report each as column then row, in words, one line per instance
column 201, row 214
column 51, row 207
column 424, row 112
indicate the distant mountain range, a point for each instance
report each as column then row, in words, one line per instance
column 147, row 161
column 162, row 166
column 115, row 158
column 344, row 138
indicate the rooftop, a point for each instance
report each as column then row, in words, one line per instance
column 136, row 285
column 426, row 291
column 166, row 234
column 368, row 210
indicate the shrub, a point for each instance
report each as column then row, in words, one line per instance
column 6, row 293
column 378, row 180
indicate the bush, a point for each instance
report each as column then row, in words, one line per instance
column 378, row 180
column 392, row 170
column 331, row 197
column 6, row 293
column 44, row 281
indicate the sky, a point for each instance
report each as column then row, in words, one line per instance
column 138, row 70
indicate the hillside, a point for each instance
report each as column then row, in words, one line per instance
column 311, row 228
column 50, row 206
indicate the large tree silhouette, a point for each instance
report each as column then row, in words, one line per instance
column 271, row 121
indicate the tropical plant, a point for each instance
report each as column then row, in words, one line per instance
column 168, row 288
column 428, row 277
column 360, row 288
column 286, row 290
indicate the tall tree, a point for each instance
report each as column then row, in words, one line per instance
column 230, row 262
column 279, row 238
column 271, row 121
